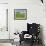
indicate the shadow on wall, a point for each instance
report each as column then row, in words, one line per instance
column 41, row 34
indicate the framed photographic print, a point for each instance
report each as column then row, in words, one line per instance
column 20, row 14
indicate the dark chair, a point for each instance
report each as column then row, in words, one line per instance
column 32, row 29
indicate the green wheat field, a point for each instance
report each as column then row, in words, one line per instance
column 20, row 15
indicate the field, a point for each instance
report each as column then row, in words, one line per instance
column 20, row 15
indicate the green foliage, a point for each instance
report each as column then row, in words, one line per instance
column 20, row 15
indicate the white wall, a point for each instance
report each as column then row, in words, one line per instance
column 35, row 13
column 3, row 34
column 3, row 21
column 3, row 1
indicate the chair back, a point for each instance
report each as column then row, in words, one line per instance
column 33, row 28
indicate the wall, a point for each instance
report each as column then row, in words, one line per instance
column 3, row 21
column 35, row 13
column 3, row 1
column 3, row 34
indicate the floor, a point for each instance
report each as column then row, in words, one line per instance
column 22, row 44
column 5, row 44
column 27, row 44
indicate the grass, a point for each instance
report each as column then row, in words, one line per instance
column 20, row 15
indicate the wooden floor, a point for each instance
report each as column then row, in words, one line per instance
column 6, row 40
column 29, row 44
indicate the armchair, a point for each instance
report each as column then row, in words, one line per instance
column 33, row 30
